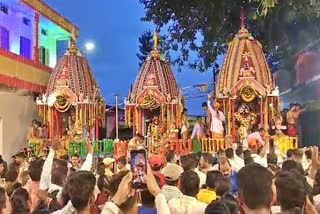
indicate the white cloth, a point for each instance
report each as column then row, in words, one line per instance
column 160, row 201
column 260, row 160
column 316, row 200
column 186, row 205
column 305, row 162
column 309, row 180
column 171, row 192
column 198, row 131
column 216, row 167
column 236, row 165
column 45, row 180
column 217, row 119
column 202, row 176
column 276, row 210
column 68, row 209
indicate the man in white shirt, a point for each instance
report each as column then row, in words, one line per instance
column 236, row 162
column 261, row 156
column 172, row 174
column 217, row 119
column 189, row 163
column 198, row 129
column 188, row 203
column 206, row 162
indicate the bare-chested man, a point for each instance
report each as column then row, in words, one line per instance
column 292, row 118
column 34, row 135
column 33, row 132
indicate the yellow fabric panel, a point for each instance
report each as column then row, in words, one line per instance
column 13, row 68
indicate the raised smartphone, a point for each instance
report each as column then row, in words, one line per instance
column 138, row 165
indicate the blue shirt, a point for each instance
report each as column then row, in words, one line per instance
column 146, row 210
column 233, row 180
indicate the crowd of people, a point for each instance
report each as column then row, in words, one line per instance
column 232, row 181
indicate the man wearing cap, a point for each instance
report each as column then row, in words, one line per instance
column 108, row 162
column 171, row 174
column 156, row 163
column 171, row 158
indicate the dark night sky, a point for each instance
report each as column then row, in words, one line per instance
column 115, row 27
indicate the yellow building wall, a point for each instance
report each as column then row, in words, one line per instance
column 16, row 114
column 25, row 72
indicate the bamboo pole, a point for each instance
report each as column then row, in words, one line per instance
column 266, row 112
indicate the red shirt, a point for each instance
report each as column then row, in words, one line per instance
column 94, row 210
column 102, row 198
column 161, row 178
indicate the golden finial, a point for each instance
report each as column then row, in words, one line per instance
column 155, row 40
column 155, row 53
column 243, row 32
column 72, row 43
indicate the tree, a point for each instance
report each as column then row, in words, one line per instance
column 206, row 26
column 266, row 5
column 145, row 47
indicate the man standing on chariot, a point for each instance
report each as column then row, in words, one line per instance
column 292, row 118
column 198, row 130
column 34, row 135
column 208, row 117
column 217, row 119
column 184, row 124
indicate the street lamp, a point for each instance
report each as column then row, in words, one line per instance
column 89, row 46
column 202, row 86
column 117, row 117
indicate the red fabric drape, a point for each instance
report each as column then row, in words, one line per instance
column 57, row 122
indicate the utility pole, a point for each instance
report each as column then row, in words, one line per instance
column 117, row 117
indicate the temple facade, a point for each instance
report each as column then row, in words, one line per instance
column 32, row 37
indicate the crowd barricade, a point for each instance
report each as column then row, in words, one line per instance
column 212, row 145
column 181, row 147
column 102, row 147
column 76, row 148
column 120, row 149
column 34, row 148
column 286, row 142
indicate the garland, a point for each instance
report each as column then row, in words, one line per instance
column 247, row 94
column 62, row 104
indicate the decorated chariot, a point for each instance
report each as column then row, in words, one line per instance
column 248, row 95
column 72, row 107
column 154, row 105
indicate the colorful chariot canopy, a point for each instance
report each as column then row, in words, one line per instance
column 155, row 83
column 244, row 68
column 72, row 78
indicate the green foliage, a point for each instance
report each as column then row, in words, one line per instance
column 146, row 44
column 205, row 26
